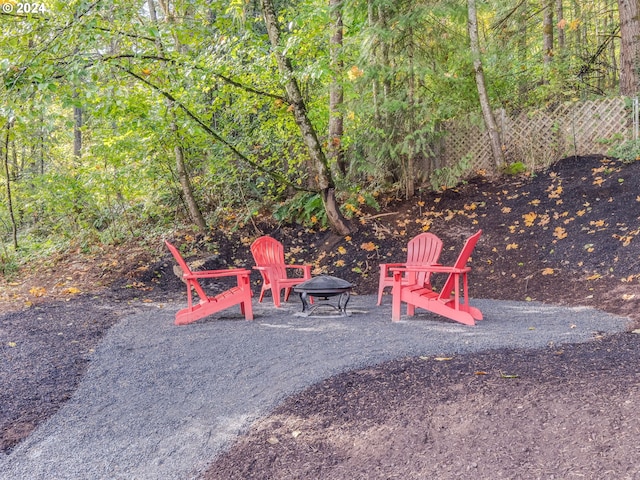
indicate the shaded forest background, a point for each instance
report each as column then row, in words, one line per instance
column 122, row 121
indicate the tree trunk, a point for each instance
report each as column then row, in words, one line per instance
column 324, row 179
column 77, row 131
column 560, row 20
column 629, row 47
column 547, row 31
column 181, row 166
column 77, row 122
column 410, row 173
column 489, row 120
column 185, row 183
column 14, row 226
column 336, row 93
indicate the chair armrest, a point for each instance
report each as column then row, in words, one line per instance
column 386, row 266
column 217, row 273
column 435, row 268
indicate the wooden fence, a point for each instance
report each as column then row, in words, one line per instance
column 539, row 137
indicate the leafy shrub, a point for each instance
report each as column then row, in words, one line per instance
column 305, row 208
column 447, row 177
column 515, row 168
column 628, row 151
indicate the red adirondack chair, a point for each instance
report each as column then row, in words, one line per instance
column 442, row 303
column 268, row 254
column 423, row 249
column 241, row 294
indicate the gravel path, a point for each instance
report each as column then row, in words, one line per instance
column 160, row 401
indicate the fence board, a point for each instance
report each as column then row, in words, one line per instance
column 539, row 137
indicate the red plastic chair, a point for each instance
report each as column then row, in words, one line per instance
column 423, row 249
column 268, row 254
column 442, row 303
column 209, row 305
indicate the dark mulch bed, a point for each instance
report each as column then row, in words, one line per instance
column 568, row 235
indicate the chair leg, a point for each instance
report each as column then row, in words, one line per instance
column 380, row 290
column 275, row 292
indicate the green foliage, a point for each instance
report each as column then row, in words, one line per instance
column 305, row 208
column 406, row 68
column 448, row 177
column 515, row 168
column 628, row 151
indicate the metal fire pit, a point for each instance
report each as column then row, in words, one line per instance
column 321, row 288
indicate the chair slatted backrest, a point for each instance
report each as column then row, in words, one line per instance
column 423, row 249
column 461, row 262
column 187, row 271
column 269, row 252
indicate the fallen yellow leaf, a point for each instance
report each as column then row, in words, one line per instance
column 37, row 291
column 560, row 233
column 512, row 246
column 369, row 247
column 529, row 218
column 548, row 271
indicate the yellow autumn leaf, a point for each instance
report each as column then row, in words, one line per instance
column 628, row 296
column 529, row 218
column 506, row 209
column 369, row 246
column 342, row 250
column 580, row 213
column 12, row 344
column 339, row 263
column 548, row 271
column 37, row 291
column 597, row 223
column 595, row 276
column 354, row 73
column 512, row 246
column 71, row 291
column 535, row 202
column 560, row 233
